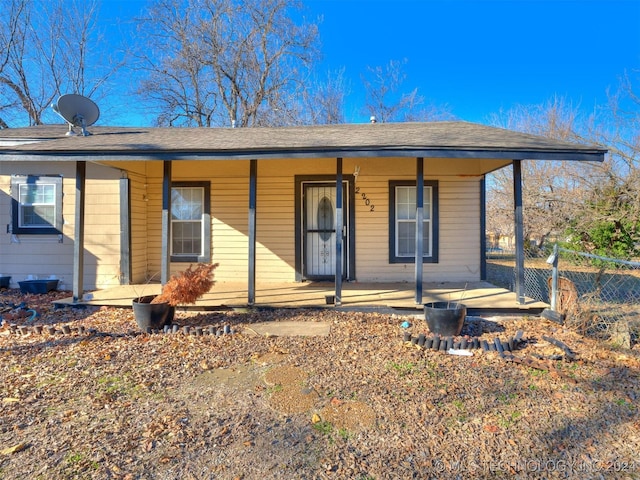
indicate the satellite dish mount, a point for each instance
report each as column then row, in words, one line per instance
column 77, row 111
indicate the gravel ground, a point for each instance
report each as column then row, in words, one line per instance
column 360, row 403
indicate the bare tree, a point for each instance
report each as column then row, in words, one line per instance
column 593, row 206
column 46, row 51
column 386, row 103
column 225, row 62
column 323, row 102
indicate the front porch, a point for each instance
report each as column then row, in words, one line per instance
column 477, row 296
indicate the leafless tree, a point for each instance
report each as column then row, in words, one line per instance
column 324, row 101
column 46, row 50
column 386, row 103
column 589, row 204
column 225, row 62
column 549, row 188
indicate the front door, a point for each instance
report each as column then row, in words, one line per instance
column 319, row 231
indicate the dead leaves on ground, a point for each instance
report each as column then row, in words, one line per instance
column 137, row 405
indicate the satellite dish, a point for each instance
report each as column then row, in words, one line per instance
column 78, row 111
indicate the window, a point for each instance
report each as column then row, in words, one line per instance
column 402, row 222
column 190, row 222
column 36, row 206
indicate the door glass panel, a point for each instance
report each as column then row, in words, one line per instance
column 325, row 219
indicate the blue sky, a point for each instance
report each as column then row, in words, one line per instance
column 477, row 57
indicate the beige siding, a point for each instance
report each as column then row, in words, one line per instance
column 459, row 242
column 138, row 212
column 43, row 256
column 230, row 222
column 459, row 237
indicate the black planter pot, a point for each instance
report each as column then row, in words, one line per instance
column 152, row 315
column 38, row 286
column 445, row 318
column 4, row 282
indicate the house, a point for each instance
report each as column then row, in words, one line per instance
column 338, row 203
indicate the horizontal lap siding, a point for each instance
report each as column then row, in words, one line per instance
column 230, row 218
column 459, row 219
column 138, row 218
column 102, row 231
column 44, row 255
column 275, row 247
column 230, row 224
column 275, row 226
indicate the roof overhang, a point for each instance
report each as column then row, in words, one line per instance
column 298, row 154
column 453, row 140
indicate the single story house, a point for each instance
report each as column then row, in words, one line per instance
column 338, row 203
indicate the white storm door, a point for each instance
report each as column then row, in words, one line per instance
column 320, row 231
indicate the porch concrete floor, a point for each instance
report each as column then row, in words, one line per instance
column 480, row 296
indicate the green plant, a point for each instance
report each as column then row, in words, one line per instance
column 506, row 397
column 323, row 427
column 621, row 402
column 507, row 420
column 403, row 369
column 275, row 388
column 74, row 458
column 462, row 414
column 538, row 373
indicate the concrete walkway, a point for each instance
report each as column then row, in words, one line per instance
column 288, row 329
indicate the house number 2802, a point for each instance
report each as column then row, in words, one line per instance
column 365, row 199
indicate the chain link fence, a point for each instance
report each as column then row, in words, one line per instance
column 598, row 296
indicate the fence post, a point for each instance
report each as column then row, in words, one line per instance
column 554, row 278
column 552, row 313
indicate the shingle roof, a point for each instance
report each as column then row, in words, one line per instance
column 433, row 139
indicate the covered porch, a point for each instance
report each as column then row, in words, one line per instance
column 479, row 297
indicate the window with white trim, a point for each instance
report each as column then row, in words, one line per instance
column 190, row 222
column 36, row 206
column 402, row 222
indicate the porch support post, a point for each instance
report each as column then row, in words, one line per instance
column 339, row 231
column 125, row 231
column 78, row 235
column 165, row 264
column 483, row 228
column 519, row 229
column 419, row 227
column 253, row 183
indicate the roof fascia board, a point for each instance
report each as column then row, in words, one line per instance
column 575, row 155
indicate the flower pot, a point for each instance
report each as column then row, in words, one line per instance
column 152, row 315
column 4, row 282
column 445, row 318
